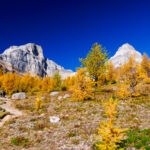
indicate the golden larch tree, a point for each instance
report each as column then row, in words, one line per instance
column 110, row 135
column 57, row 80
column 145, row 65
column 95, row 62
column 83, row 88
column 47, row 84
column 110, row 71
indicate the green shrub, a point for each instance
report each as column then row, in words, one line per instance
column 71, row 134
column 113, row 82
column 137, row 138
column 20, row 141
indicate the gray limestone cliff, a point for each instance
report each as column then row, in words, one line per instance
column 29, row 58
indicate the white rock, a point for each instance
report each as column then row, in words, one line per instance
column 66, row 96
column 42, row 98
column 54, row 93
column 60, row 97
column 114, row 88
column 54, row 119
column 124, row 53
column 21, row 95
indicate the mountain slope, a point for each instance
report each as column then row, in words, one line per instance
column 123, row 54
column 29, row 58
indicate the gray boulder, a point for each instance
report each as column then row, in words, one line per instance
column 54, row 119
column 115, row 88
column 54, row 93
column 43, row 98
column 21, row 95
column 60, row 97
column 66, row 96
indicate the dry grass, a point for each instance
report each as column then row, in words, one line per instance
column 78, row 121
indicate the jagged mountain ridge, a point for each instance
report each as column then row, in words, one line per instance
column 123, row 54
column 29, row 58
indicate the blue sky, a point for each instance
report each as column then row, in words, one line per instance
column 66, row 29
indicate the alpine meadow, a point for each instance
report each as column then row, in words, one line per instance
column 74, row 75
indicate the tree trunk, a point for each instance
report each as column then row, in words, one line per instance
column 95, row 88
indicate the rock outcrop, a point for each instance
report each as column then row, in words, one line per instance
column 29, row 58
column 20, row 95
column 123, row 54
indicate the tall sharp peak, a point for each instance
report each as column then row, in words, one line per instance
column 124, row 53
column 126, row 47
column 31, row 48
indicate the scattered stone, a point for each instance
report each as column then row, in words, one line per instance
column 66, row 96
column 42, row 115
column 21, row 95
column 114, row 88
column 60, row 97
column 54, row 93
column 121, row 81
column 54, row 119
column 42, row 98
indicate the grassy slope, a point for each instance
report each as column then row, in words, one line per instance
column 78, row 124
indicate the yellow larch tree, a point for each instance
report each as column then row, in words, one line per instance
column 10, row 82
column 47, row 84
column 109, row 135
column 129, row 74
column 57, row 80
column 38, row 102
column 95, row 62
column 26, row 83
column 69, row 82
column 110, row 71
column 145, row 65
column 83, row 88
column 36, row 84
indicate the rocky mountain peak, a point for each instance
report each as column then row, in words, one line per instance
column 29, row 58
column 124, row 53
column 126, row 48
column 30, row 48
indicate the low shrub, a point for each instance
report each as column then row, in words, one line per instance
column 113, row 82
column 137, row 138
column 147, row 80
column 20, row 141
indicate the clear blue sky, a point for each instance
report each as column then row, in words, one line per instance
column 66, row 29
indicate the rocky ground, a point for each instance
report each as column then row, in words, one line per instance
column 78, row 123
column 8, row 111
